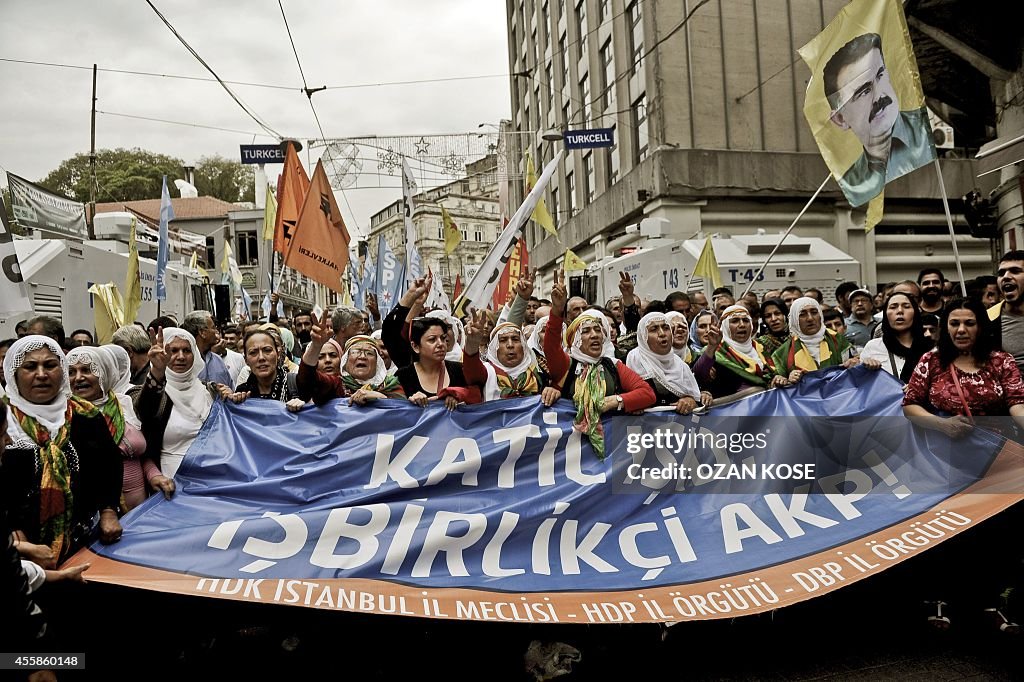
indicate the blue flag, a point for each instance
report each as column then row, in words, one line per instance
column 356, row 287
column 389, row 277
column 166, row 216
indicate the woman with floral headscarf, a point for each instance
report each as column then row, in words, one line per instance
column 668, row 376
column 589, row 375
column 363, row 378
column 733, row 361
column 511, row 370
column 811, row 345
column 63, row 466
column 94, row 376
column 174, row 402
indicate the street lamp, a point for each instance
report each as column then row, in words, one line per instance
column 551, row 135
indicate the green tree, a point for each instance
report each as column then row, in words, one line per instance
column 225, row 179
column 121, row 175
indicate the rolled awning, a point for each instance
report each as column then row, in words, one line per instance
column 1001, row 152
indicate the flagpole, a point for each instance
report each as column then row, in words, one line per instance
column 949, row 223
column 786, row 233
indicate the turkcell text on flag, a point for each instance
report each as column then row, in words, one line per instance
column 501, row 511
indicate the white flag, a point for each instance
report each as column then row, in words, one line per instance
column 436, row 298
column 480, row 289
column 14, row 296
column 413, row 262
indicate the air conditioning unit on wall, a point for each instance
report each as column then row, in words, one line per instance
column 942, row 133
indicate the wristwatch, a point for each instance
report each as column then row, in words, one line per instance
column 618, row 399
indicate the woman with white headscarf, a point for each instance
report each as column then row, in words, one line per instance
column 811, row 344
column 589, row 374
column 732, row 360
column 363, row 377
column 174, row 403
column 94, row 376
column 511, row 370
column 668, row 376
column 680, row 336
column 63, row 466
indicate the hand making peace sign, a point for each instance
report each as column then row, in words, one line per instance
column 558, row 294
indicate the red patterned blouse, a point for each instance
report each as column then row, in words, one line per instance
column 989, row 392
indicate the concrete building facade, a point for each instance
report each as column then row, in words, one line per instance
column 706, row 103
column 473, row 204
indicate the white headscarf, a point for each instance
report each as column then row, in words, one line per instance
column 381, row 373
column 747, row 349
column 124, row 367
column 812, row 342
column 103, row 366
column 458, row 330
column 668, row 370
column 534, row 341
column 49, row 415
column 529, row 361
column 673, row 316
column 574, row 340
column 186, row 391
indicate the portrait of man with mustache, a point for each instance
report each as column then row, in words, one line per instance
column 863, row 100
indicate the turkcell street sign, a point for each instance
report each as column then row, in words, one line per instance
column 588, row 139
column 262, row 153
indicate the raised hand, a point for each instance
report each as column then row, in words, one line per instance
column 524, row 287
column 626, row 288
column 558, row 294
column 414, row 293
column 319, row 334
column 476, row 331
column 714, row 340
column 371, row 305
column 158, row 356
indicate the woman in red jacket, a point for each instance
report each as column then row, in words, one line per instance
column 589, row 374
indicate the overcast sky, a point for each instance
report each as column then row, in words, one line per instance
column 340, row 42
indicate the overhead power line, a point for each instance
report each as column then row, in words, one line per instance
column 272, row 86
column 213, row 73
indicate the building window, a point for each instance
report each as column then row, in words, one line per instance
column 549, row 83
column 581, row 18
column 536, row 48
column 608, row 76
column 210, row 251
column 635, row 35
column 604, row 10
column 585, row 98
column 563, row 50
column 565, row 114
column 478, row 236
column 554, row 205
column 589, row 179
column 613, row 160
column 570, row 189
column 638, row 112
column 248, row 248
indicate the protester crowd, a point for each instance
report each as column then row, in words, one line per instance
column 90, row 431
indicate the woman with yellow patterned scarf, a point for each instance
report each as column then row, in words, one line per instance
column 64, row 465
column 364, row 376
column 811, row 345
column 733, row 361
column 511, row 370
column 589, row 374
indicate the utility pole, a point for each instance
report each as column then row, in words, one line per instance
column 92, row 162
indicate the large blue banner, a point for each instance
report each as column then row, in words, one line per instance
column 502, row 511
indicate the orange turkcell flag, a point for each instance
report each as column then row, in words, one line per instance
column 319, row 243
column 290, row 195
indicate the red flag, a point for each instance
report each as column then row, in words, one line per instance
column 319, row 243
column 517, row 265
column 291, row 192
column 458, row 286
